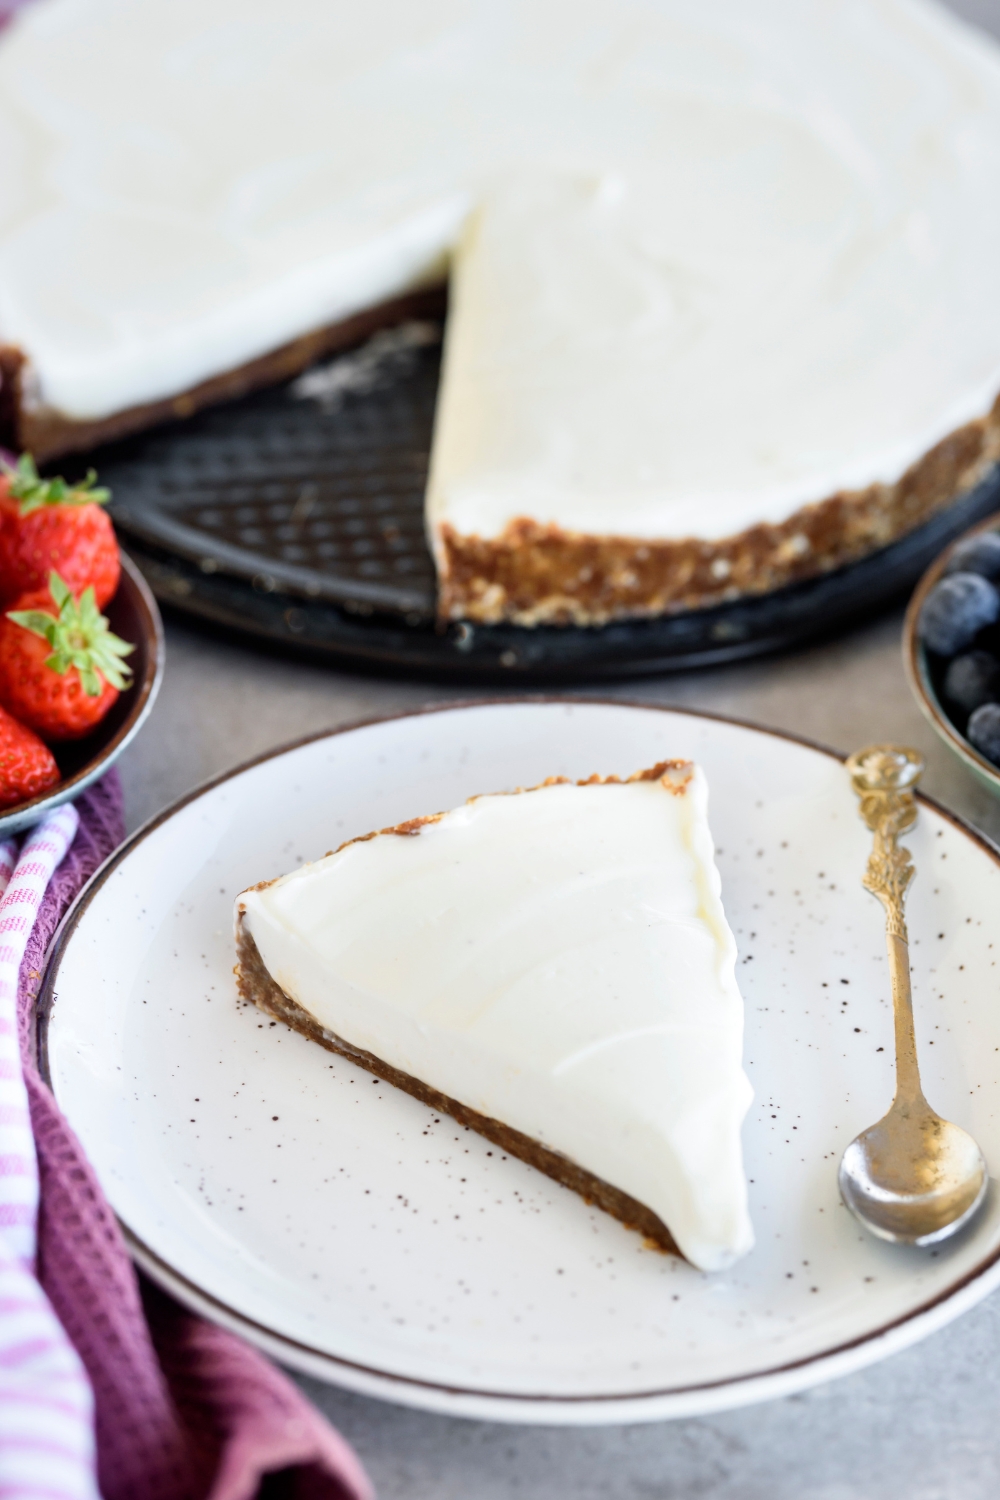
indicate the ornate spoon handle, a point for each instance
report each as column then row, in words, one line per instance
column 912, row 1176
column 884, row 777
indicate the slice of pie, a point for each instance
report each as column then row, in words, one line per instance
column 552, row 968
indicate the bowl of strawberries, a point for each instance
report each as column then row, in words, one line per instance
column 81, row 642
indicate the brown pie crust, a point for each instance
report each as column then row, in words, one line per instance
column 535, row 574
column 26, row 427
column 257, row 987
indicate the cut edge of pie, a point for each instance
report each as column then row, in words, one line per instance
column 29, row 426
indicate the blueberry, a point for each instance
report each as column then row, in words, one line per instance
column 977, row 554
column 984, row 731
column 971, row 680
column 955, row 610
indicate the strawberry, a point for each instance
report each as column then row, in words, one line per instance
column 61, row 668
column 46, row 525
column 27, row 767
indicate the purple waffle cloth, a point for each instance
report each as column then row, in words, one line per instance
column 184, row 1410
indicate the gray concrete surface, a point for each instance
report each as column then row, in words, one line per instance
column 924, row 1425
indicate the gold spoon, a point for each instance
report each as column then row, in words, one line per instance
column 913, row 1176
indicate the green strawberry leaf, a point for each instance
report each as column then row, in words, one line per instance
column 37, row 621
column 59, row 590
column 79, row 637
column 26, row 484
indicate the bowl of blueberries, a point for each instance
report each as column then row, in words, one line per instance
column 951, row 648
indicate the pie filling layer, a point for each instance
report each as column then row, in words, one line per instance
column 552, row 967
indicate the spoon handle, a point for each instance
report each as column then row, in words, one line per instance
column 884, row 777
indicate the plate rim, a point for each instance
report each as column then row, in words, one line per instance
column 462, row 1400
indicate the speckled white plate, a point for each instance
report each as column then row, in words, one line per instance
column 354, row 1234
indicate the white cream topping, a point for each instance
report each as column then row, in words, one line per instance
column 558, row 960
column 752, row 259
column 608, row 370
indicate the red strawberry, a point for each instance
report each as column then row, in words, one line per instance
column 46, row 525
column 60, row 667
column 27, row 767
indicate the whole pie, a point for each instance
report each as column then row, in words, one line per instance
column 724, row 278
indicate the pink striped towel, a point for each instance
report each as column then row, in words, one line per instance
column 46, row 1407
column 97, row 1370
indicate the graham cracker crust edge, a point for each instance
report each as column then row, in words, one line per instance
column 256, row 986
column 535, row 574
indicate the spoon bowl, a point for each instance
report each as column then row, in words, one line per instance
column 913, row 1177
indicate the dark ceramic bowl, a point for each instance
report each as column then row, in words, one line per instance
column 134, row 616
column 926, row 671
